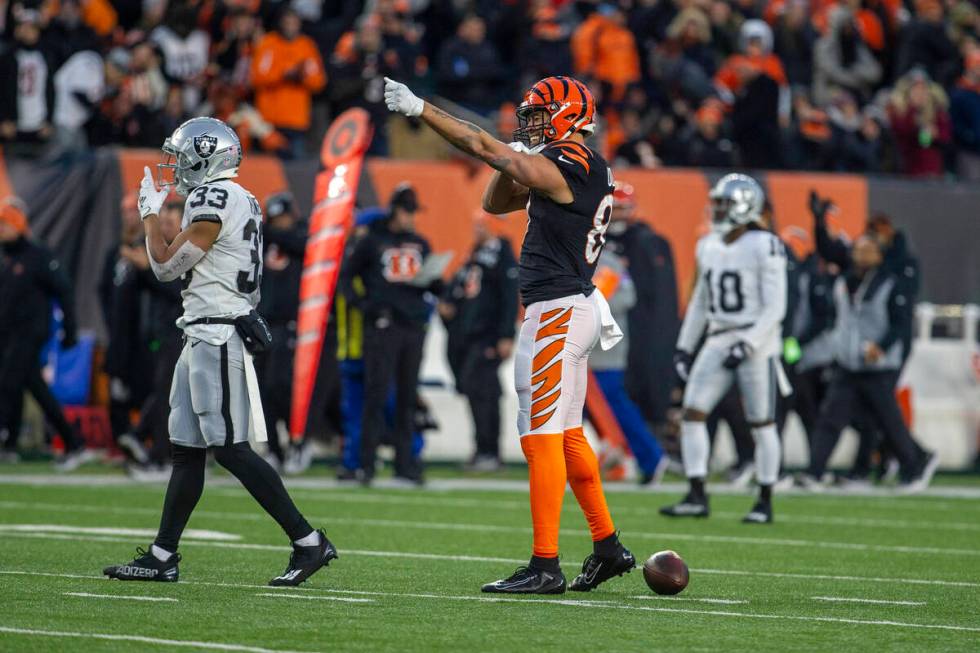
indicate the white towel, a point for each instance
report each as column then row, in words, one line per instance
column 609, row 331
column 256, row 426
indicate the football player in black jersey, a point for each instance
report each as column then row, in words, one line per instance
column 567, row 189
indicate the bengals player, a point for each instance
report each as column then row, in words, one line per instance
column 567, row 189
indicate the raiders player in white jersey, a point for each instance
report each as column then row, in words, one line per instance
column 738, row 304
column 214, row 401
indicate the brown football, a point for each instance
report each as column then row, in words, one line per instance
column 666, row 573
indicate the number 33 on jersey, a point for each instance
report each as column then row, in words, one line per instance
column 226, row 281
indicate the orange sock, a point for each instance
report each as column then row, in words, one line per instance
column 583, row 476
column 546, row 468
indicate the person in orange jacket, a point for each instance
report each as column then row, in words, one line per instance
column 286, row 72
column 603, row 48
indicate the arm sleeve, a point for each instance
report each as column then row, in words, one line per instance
column 899, row 314
column 832, row 250
column 695, row 318
column 772, row 281
column 508, row 293
column 59, row 287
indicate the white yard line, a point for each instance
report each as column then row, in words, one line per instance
column 217, row 646
column 842, row 599
column 484, row 485
column 867, row 579
column 161, row 599
column 658, row 536
column 654, row 597
column 344, row 599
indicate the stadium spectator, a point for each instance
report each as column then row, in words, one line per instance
column 635, row 151
column 232, row 54
column 920, row 123
column 67, row 33
column 79, row 86
column 924, row 43
column 604, row 50
column 470, row 68
column 703, row 141
column 387, row 260
column 286, row 71
column 794, row 38
column 685, row 60
column 285, row 244
column 485, row 305
column 31, row 278
column 185, row 51
column 964, row 111
column 842, row 60
column 27, row 70
column 548, row 50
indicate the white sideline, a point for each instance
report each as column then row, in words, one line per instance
column 345, row 599
column 191, row 533
column 654, row 597
column 217, row 646
column 842, row 599
column 87, row 595
column 491, row 528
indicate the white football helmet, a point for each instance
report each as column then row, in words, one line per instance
column 736, row 200
column 200, row 151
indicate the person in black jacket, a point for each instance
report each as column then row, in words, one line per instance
column 470, row 68
column 653, row 320
column 285, row 245
column 27, row 70
column 30, row 278
column 128, row 361
column 387, row 259
column 484, row 305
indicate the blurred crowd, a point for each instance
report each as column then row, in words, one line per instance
column 840, row 85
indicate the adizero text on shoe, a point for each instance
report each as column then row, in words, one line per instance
column 596, row 570
column 529, row 580
column 306, row 561
column 688, row 507
column 146, row 566
column 761, row 513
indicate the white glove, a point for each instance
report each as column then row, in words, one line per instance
column 401, row 100
column 518, row 146
column 151, row 200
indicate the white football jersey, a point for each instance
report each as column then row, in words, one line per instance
column 225, row 283
column 740, row 293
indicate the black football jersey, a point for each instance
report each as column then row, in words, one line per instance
column 563, row 241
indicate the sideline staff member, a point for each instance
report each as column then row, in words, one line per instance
column 396, row 312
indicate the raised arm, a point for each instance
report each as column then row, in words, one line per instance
column 527, row 169
column 170, row 261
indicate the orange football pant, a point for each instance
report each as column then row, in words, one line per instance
column 553, row 459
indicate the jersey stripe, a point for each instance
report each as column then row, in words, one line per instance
column 575, row 155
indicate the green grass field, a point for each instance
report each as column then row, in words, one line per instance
column 835, row 573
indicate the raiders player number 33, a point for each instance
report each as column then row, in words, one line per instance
column 214, row 400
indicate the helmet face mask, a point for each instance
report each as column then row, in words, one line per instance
column 200, row 151
column 534, row 126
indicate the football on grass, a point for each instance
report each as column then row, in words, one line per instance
column 666, row 573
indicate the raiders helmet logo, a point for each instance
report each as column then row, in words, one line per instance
column 205, row 145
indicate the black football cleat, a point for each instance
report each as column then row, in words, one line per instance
column 689, row 506
column 305, row 561
column 597, row 570
column 146, row 566
column 761, row 513
column 529, row 580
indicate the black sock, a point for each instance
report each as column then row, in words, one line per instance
column 546, row 564
column 265, row 486
column 607, row 547
column 183, row 492
column 697, row 487
column 765, row 493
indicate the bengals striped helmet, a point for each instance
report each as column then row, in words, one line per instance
column 554, row 109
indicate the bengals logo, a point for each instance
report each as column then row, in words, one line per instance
column 400, row 264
